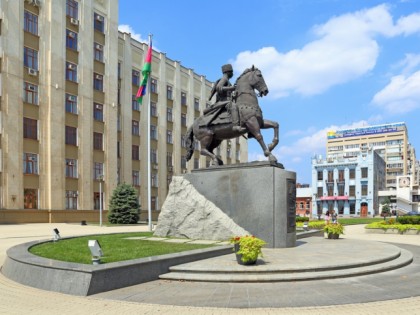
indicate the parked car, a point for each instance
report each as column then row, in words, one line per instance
column 412, row 213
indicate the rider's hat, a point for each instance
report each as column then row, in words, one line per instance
column 227, row 67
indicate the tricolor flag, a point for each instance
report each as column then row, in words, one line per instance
column 147, row 68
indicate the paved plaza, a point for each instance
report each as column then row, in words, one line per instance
column 18, row 299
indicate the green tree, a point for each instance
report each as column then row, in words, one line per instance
column 386, row 209
column 124, row 207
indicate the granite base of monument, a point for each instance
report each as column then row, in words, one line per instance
column 259, row 197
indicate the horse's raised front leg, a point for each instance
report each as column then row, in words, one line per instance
column 254, row 128
column 272, row 124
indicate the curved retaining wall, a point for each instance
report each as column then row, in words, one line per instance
column 79, row 279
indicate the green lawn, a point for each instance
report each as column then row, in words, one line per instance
column 319, row 224
column 114, row 246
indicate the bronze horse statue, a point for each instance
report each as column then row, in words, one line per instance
column 251, row 120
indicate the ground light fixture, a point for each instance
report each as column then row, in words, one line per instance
column 96, row 251
column 56, row 235
column 305, row 226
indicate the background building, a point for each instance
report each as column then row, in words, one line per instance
column 70, row 127
column 390, row 141
column 348, row 185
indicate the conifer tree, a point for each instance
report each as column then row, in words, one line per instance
column 124, row 207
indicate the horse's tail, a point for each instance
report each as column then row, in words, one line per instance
column 189, row 143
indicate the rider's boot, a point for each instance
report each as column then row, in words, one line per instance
column 235, row 119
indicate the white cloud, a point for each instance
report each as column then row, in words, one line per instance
column 344, row 49
column 314, row 142
column 128, row 29
column 401, row 95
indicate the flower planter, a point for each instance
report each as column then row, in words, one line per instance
column 333, row 236
column 239, row 257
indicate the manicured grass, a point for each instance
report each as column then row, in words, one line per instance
column 352, row 221
column 114, row 246
column 385, row 225
column 319, row 224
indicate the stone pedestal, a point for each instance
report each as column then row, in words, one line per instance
column 257, row 196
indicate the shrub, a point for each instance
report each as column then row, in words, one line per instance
column 409, row 219
column 124, row 207
column 302, row 219
column 334, row 228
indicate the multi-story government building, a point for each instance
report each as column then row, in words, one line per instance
column 390, row 141
column 70, row 126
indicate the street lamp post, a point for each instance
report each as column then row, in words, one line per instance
column 101, row 178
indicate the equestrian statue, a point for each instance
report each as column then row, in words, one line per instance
column 235, row 113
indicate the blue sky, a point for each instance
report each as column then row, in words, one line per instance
column 329, row 64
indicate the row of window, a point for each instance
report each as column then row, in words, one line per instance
column 72, row 11
column 352, row 175
column 341, row 192
column 135, row 80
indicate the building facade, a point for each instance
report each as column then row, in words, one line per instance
column 349, row 186
column 71, row 129
column 390, row 141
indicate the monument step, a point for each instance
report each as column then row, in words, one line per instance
column 256, row 274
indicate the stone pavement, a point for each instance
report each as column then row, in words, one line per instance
column 19, row 299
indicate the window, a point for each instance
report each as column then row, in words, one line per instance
column 135, row 152
column 364, row 172
column 98, row 112
column 98, row 141
column 330, row 176
column 320, row 192
column 30, row 198
column 183, row 162
column 71, row 135
column 135, row 78
column 71, row 168
column 98, row 52
column 30, row 163
column 196, row 163
column 352, row 191
column 30, row 93
column 169, row 94
column 320, row 175
column 30, row 23
column 330, row 189
column 71, row 103
column 183, row 119
column 169, row 136
column 134, row 103
column 30, row 128
column 98, row 171
column 72, row 9
column 153, row 156
column 169, row 116
column 71, row 72
column 341, row 176
column 71, row 199
column 183, row 98
column 183, row 142
column 341, row 190
column 153, row 132
column 352, row 174
column 97, row 201
column 136, row 178
column 135, row 130
column 196, row 104
column 153, row 86
column 98, row 82
column 30, row 58
column 169, row 159
column 364, row 190
column 98, row 22
column 154, row 180
column 153, row 109
column 71, row 40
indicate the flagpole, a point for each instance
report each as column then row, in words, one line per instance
column 149, row 174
